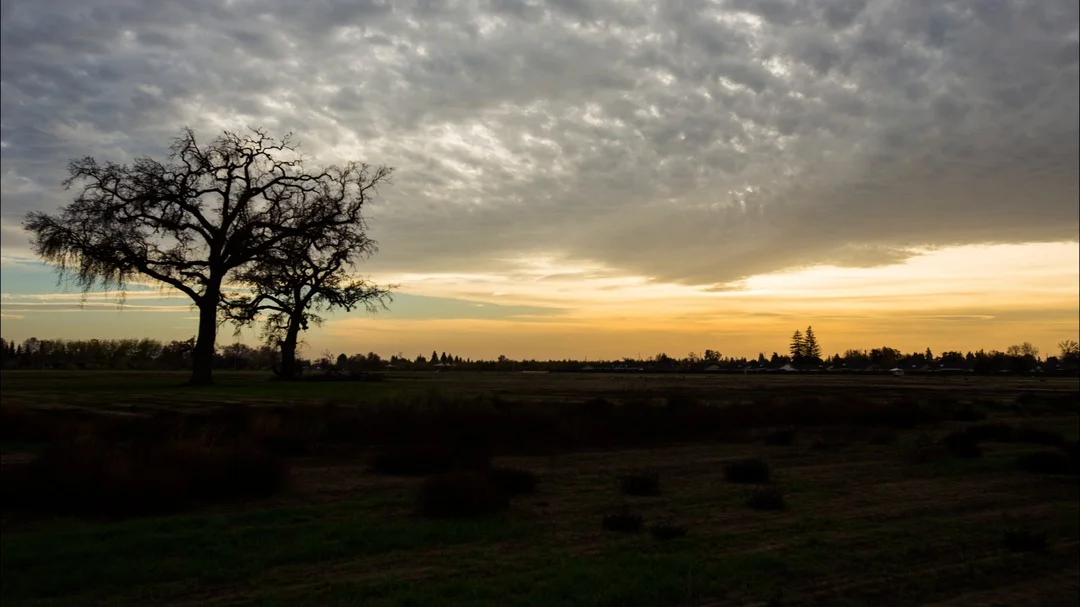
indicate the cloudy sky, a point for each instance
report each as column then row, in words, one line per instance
column 601, row 178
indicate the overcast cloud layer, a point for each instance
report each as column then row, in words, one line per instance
column 687, row 141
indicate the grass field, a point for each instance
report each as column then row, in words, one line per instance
column 864, row 523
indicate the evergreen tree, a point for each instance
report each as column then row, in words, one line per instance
column 929, row 356
column 443, row 359
column 798, row 346
column 811, row 351
column 434, row 357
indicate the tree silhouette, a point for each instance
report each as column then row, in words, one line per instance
column 1070, row 351
column 191, row 221
column 811, row 351
column 299, row 279
column 797, row 347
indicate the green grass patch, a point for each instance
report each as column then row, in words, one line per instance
column 85, row 562
column 652, row 575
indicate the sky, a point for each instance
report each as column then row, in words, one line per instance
column 597, row 179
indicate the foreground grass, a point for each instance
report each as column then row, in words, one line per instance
column 83, row 562
column 862, row 529
column 863, row 526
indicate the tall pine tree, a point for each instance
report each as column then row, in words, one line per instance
column 811, row 349
column 798, row 346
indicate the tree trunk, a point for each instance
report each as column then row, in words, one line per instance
column 288, row 351
column 203, row 356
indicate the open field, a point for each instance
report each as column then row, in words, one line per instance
column 874, row 515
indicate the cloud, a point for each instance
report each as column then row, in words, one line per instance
column 692, row 142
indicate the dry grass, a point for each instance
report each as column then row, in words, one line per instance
column 862, row 527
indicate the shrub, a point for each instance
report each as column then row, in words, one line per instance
column 1004, row 433
column 899, row 414
column 922, row 449
column 512, row 482
column 1072, row 449
column 767, row 498
column 784, row 437
column 1044, row 462
column 882, row 436
column 424, row 460
column 667, row 530
column 747, row 470
column 961, row 444
column 996, row 431
column 623, row 521
column 460, row 494
column 1025, row 540
column 965, row 412
column 640, row 483
column 1036, row 436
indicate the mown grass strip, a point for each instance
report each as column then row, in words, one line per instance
column 89, row 561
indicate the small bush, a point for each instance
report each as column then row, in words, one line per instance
column 1045, row 462
column 512, row 482
column 667, row 530
column 426, row 460
column 900, row 414
column 922, row 449
column 640, row 483
column 1004, row 433
column 966, row 412
column 996, row 431
column 767, row 498
column 1072, row 449
column 883, row 436
column 961, row 444
column 623, row 521
column 781, row 437
column 459, row 495
column 1037, row 436
column 747, row 470
column 1025, row 540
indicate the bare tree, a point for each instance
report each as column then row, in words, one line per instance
column 295, row 282
column 191, row 221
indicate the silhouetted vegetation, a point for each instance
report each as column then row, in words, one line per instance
column 882, row 436
column 212, row 212
column 1024, row 540
column 422, row 460
column 98, row 480
column 748, row 470
column 781, row 437
column 767, row 498
column 667, row 530
column 962, row 444
column 513, row 482
column 1045, row 462
column 323, row 286
column 922, row 449
column 640, row 483
column 1005, row 433
column 623, row 521
column 461, row 494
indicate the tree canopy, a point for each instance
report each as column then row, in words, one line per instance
column 193, row 221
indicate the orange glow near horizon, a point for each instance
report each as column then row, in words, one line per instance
column 960, row 298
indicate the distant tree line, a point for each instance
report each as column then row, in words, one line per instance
column 147, row 354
